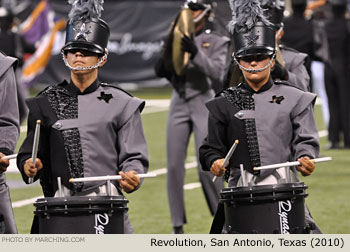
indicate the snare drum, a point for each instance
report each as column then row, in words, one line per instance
column 265, row 209
column 81, row 215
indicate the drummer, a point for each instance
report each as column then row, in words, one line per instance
column 88, row 128
column 273, row 121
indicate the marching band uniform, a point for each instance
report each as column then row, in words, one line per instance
column 188, row 114
column 275, row 109
column 79, row 134
column 337, row 75
column 9, row 132
column 273, row 124
column 94, row 132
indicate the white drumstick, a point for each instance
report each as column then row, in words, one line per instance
column 287, row 164
column 114, row 177
column 35, row 146
column 228, row 156
column 9, row 157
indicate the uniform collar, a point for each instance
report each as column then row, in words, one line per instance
column 265, row 87
column 74, row 90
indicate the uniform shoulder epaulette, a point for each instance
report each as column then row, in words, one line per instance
column 283, row 82
column 217, row 34
column 116, row 87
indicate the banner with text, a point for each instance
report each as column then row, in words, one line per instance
column 137, row 32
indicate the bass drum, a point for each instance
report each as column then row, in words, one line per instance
column 266, row 209
column 81, row 215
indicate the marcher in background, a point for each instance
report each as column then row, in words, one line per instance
column 187, row 113
column 337, row 75
column 88, row 128
column 309, row 36
column 9, row 132
column 15, row 45
column 290, row 64
column 273, row 120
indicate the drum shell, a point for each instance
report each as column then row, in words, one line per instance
column 268, row 209
column 81, row 215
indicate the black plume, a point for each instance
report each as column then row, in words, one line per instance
column 245, row 14
column 85, row 9
column 278, row 4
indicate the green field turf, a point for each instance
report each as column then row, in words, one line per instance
column 328, row 200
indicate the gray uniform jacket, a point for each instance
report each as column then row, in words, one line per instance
column 204, row 72
column 9, row 132
column 295, row 65
column 208, row 66
column 95, row 133
column 285, row 127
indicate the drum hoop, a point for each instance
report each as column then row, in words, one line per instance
column 60, row 211
column 266, row 188
column 278, row 197
column 264, row 192
column 81, row 200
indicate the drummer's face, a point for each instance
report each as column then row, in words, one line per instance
column 256, row 78
column 81, row 58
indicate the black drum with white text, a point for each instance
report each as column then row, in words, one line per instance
column 81, row 215
column 265, row 209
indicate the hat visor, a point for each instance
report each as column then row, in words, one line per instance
column 269, row 51
column 82, row 45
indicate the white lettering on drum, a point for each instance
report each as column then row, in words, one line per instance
column 284, row 207
column 101, row 220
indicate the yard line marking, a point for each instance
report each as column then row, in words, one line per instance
column 25, row 202
column 323, row 133
column 164, row 170
column 192, row 186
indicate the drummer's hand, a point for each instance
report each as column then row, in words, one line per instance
column 30, row 169
column 3, row 163
column 307, row 166
column 217, row 168
column 130, row 180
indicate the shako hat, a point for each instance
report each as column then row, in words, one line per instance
column 85, row 29
column 252, row 32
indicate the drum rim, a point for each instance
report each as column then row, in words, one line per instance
column 265, row 188
column 79, row 200
column 264, row 192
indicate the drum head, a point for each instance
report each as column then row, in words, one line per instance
column 184, row 25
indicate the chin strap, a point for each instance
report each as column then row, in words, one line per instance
column 254, row 70
column 207, row 8
column 98, row 64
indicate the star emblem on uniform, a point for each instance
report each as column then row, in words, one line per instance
column 82, row 32
column 105, row 97
column 276, row 99
column 251, row 39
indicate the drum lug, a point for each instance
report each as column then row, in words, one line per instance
column 90, row 207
